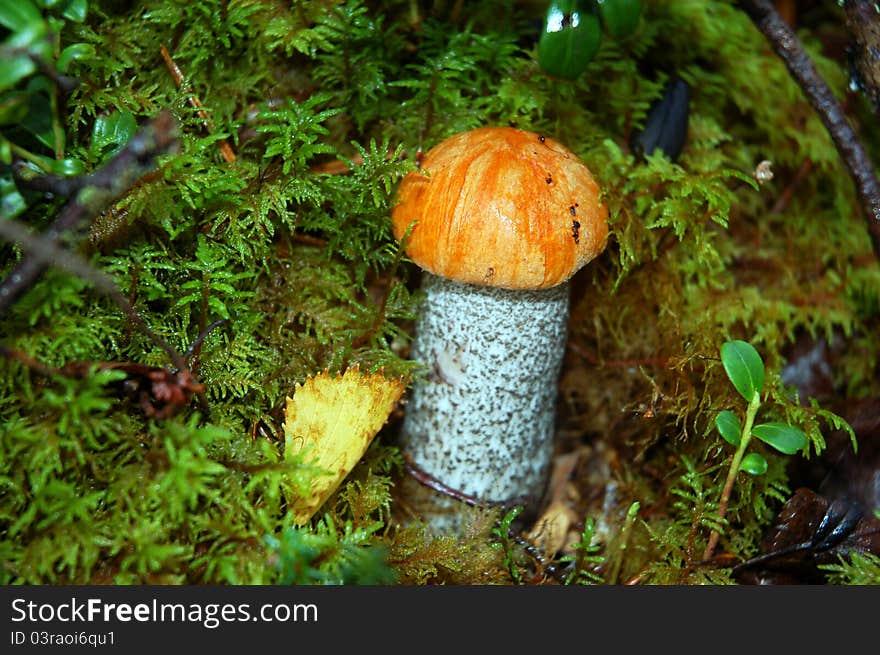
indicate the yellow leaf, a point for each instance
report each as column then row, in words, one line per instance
column 551, row 530
column 331, row 421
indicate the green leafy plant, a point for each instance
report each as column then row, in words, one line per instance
column 586, row 557
column 745, row 370
column 328, row 556
column 34, row 69
column 859, row 569
column 501, row 534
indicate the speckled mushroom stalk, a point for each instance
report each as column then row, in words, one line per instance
column 499, row 220
column 482, row 420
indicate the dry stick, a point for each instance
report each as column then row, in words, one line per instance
column 96, row 192
column 789, row 48
column 225, row 149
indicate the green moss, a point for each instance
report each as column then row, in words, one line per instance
column 303, row 266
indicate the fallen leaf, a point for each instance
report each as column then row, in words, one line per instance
column 551, row 530
column 331, row 420
column 809, row 531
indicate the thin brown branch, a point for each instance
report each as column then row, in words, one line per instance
column 225, row 149
column 789, row 48
column 862, row 19
column 95, row 192
column 789, row 191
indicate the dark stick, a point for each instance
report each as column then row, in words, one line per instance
column 862, row 18
column 59, row 185
column 96, row 192
column 427, row 480
column 789, row 48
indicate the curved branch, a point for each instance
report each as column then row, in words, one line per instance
column 862, row 19
column 789, row 48
column 93, row 194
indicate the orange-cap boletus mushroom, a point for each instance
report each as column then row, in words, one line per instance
column 499, row 219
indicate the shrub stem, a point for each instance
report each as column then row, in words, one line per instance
column 746, row 437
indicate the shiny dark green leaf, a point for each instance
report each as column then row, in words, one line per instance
column 74, row 10
column 744, row 368
column 73, row 52
column 67, row 167
column 620, row 17
column 63, row 167
column 30, row 40
column 570, row 38
column 753, row 464
column 783, row 437
column 39, row 121
column 113, row 131
column 729, row 427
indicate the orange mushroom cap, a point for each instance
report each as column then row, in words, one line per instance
column 498, row 206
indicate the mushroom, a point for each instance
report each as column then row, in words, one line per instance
column 498, row 219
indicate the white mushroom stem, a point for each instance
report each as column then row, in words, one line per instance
column 481, row 421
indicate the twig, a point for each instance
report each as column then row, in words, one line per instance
column 786, row 44
column 44, row 252
column 337, row 166
column 788, row 192
column 97, row 192
column 862, row 18
column 225, row 149
column 427, row 480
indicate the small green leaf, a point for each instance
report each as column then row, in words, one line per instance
column 39, row 120
column 68, row 167
column 31, row 38
column 63, row 167
column 753, row 464
column 783, row 437
column 744, row 368
column 113, row 130
column 570, row 38
column 76, row 10
column 729, row 427
column 73, row 52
